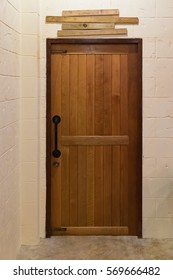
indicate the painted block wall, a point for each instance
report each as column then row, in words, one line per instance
column 156, row 29
column 29, row 148
column 10, row 34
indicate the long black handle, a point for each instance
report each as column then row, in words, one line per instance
column 56, row 120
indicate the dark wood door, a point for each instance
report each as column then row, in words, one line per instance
column 94, row 186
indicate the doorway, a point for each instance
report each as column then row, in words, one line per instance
column 94, row 137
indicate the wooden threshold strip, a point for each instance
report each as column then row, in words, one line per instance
column 94, row 140
column 101, row 19
column 69, row 33
column 90, row 12
column 115, row 230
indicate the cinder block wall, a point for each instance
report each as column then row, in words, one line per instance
column 10, row 34
column 30, row 91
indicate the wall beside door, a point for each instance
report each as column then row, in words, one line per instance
column 10, row 34
column 19, row 125
column 29, row 148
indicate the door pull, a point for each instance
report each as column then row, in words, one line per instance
column 56, row 152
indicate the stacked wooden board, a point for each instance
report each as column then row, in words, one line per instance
column 91, row 22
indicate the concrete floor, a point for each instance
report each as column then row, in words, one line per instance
column 98, row 248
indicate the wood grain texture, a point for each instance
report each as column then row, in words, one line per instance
column 93, row 231
column 65, row 129
column 90, row 12
column 71, row 33
column 99, row 130
column 90, row 88
column 107, row 156
column 82, row 151
column 101, row 19
column 87, row 26
column 134, row 124
column 94, row 140
column 90, row 185
column 124, row 163
column 116, row 178
column 99, row 94
column 73, row 157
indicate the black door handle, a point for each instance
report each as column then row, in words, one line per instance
column 56, row 120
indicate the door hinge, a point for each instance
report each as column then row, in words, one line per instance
column 60, row 229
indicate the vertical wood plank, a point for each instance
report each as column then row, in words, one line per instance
column 56, row 172
column 99, row 94
column 90, row 185
column 116, row 186
column 134, row 118
column 124, row 131
column 73, row 131
column 99, row 130
column 99, row 191
column 107, row 186
column 82, row 150
column 107, row 131
column 116, row 131
column 65, row 107
column 90, row 131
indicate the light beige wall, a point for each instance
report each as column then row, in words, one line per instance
column 10, row 33
column 30, row 91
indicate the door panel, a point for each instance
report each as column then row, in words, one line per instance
column 94, row 187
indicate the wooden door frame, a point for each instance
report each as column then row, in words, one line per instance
column 50, row 50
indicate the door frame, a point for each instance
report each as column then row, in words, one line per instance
column 50, row 49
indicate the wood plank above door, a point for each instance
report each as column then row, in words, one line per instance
column 94, row 19
column 102, row 12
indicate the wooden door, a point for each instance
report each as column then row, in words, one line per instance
column 94, row 186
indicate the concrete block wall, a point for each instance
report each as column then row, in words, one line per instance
column 156, row 29
column 30, row 80
column 10, row 35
